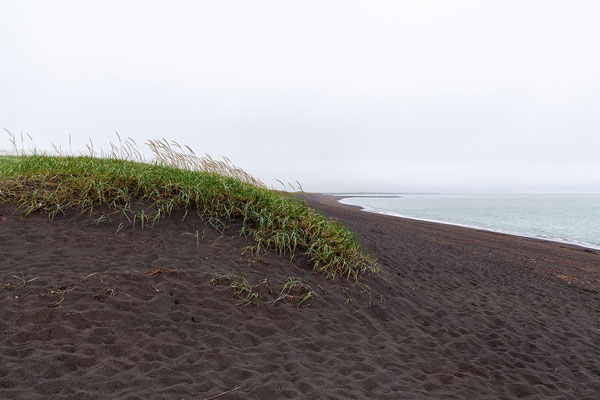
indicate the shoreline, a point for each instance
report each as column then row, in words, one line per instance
column 583, row 245
column 559, row 258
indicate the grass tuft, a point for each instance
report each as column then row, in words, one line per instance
column 177, row 179
column 23, row 279
column 295, row 291
column 240, row 285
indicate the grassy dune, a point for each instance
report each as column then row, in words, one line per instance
column 176, row 179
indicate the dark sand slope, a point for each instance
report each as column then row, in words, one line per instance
column 467, row 314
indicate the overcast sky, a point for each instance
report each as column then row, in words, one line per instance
column 393, row 96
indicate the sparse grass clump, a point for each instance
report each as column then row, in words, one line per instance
column 295, row 291
column 176, row 180
column 23, row 279
column 242, row 288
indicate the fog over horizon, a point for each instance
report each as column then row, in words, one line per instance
column 343, row 96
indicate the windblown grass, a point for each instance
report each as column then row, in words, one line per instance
column 295, row 291
column 177, row 179
column 242, row 288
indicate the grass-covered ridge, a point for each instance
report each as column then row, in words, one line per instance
column 218, row 192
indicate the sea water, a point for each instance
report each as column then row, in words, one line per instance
column 564, row 218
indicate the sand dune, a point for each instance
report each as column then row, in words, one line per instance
column 87, row 313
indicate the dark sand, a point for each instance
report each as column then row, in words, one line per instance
column 466, row 315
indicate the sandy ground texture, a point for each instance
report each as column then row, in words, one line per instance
column 87, row 312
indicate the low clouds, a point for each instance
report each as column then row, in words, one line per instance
column 343, row 96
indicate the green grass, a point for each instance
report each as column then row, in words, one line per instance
column 242, row 288
column 217, row 191
column 295, row 290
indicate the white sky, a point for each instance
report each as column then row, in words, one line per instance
column 394, row 96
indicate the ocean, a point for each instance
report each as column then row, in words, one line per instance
column 573, row 219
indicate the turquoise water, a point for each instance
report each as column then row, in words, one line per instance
column 564, row 218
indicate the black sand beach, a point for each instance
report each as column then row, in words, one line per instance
column 87, row 313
